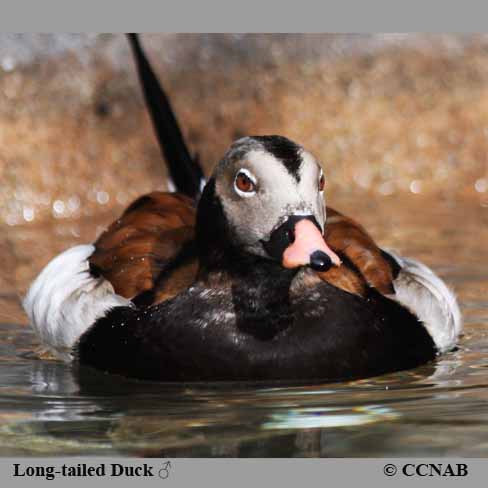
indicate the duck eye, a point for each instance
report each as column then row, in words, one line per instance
column 321, row 182
column 244, row 184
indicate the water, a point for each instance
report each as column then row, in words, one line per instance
column 391, row 128
column 49, row 408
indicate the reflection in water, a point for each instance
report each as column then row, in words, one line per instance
column 49, row 408
column 404, row 141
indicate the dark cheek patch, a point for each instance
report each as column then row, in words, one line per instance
column 283, row 236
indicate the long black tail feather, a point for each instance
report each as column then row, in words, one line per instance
column 185, row 171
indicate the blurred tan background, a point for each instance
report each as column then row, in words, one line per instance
column 400, row 123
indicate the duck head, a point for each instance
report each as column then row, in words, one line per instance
column 265, row 199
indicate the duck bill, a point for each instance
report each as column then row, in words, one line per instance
column 309, row 248
column 299, row 242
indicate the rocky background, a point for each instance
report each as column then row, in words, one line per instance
column 393, row 118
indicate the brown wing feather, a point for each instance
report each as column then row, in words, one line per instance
column 348, row 238
column 153, row 230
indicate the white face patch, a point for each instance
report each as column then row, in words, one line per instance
column 278, row 194
column 310, row 174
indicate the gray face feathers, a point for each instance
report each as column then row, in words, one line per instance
column 261, row 182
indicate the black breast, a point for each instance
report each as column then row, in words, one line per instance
column 329, row 334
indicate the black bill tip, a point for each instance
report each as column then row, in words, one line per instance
column 319, row 261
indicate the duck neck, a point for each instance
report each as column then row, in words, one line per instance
column 260, row 287
column 260, row 291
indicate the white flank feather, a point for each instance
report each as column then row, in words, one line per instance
column 419, row 289
column 65, row 300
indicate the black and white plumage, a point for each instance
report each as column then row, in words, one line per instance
column 228, row 293
column 246, row 315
